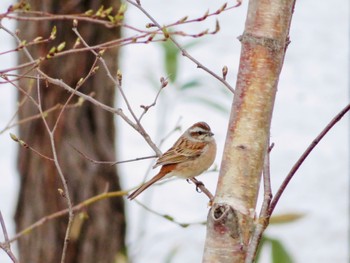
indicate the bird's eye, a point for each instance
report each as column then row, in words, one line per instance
column 200, row 132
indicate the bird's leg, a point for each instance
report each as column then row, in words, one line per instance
column 200, row 188
column 198, row 184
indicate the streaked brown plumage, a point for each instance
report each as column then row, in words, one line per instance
column 192, row 154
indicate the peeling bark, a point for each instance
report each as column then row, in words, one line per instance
column 264, row 43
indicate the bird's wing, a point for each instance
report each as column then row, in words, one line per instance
column 182, row 151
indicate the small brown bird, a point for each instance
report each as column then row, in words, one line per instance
column 192, row 154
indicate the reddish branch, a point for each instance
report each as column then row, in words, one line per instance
column 305, row 155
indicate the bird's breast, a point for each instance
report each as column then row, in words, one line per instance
column 195, row 167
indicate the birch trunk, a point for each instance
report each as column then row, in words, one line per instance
column 231, row 218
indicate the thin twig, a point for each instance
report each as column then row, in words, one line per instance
column 263, row 220
column 61, row 175
column 168, row 217
column 79, row 84
column 53, row 148
column 144, row 36
column 267, row 183
column 118, row 84
column 36, row 116
column 6, row 246
column 164, row 83
column 184, row 52
column 304, row 156
column 26, row 146
column 18, row 67
column 113, row 162
column 63, row 212
column 138, row 125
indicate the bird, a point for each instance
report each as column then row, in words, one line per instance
column 192, row 154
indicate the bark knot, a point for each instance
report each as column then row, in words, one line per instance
column 225, row 220
column 270, row 43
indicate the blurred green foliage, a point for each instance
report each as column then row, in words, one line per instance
column 279, row 253
column 188, row 90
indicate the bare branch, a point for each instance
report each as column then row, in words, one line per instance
column 168, row 217
column 202, row 187
column 6, row 246
column 138, row 127
column 53, row 148
column 164, row 83
column 113, row 163
column 63, row 212
column 184, row 52
column 263, row 219
column 305, row 155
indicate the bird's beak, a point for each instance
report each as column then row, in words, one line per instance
column 211, row 134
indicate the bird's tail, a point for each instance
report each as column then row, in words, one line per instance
column 145, row 186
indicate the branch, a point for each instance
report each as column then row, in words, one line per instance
column 79, row 84
column 113, row 163
column 164, row 83
column 26, row 146
column 305, row 155
column 61, row 175
column 202, row 187
column 184, row 52
column 63, row 212
column 53, row 148
column 136, row 126
column 6, row 246
column 263, row 220
column 168, row 217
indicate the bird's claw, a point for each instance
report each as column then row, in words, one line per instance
column 198, row 185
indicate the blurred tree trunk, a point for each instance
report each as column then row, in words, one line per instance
column 231, row 218
column 98, row 237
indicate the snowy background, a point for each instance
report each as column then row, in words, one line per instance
column 313, row 87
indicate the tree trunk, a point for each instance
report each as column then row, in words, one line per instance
column 231, row 218
column 98, row 236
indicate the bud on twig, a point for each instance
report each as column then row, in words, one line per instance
column 217, row 27
column 224, row 72
column 165, row 32
column 94, row 70
column 80, row 101
column 61, row 46
column 23, row 144
column 149, row 25
column 89, row 12
column 77, row 43
column 13, row 137
column 182, row 20
column 75, row 23
column 119, row 77
column 101, row 52
column 221, row 8
column 80, row 81
column 61, row 192
column 164, row 82
column 53, row 33
column 37, row 39
column 206, row 14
